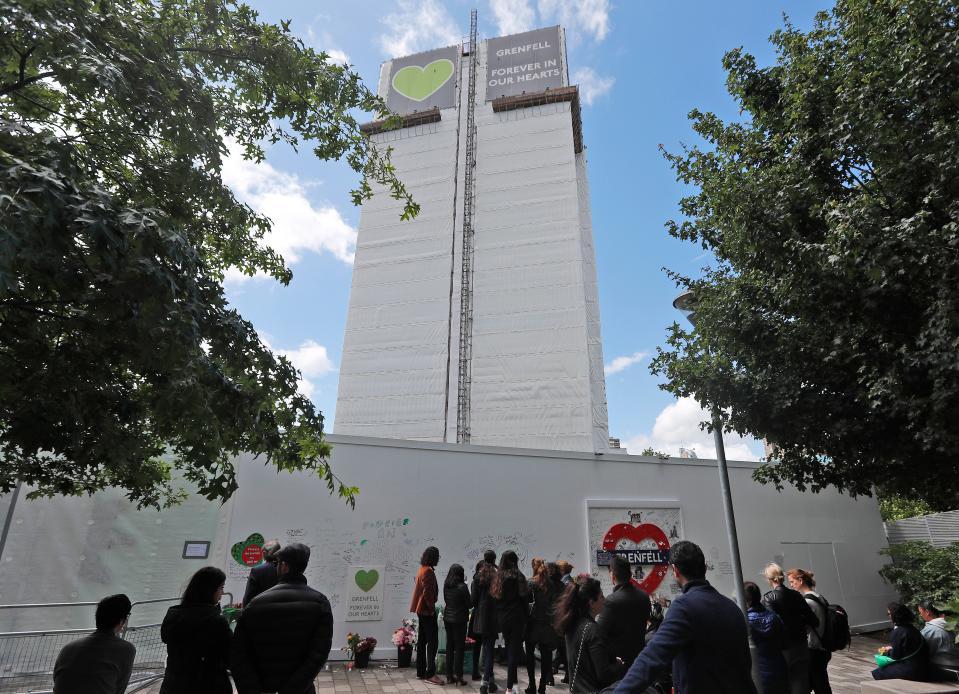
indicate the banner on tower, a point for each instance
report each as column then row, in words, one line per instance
column 423, row 81
column 528, row 62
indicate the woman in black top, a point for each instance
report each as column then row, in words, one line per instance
column 456, row 610
column 539, row 631
column 908, row 648
column 511, row 593
column 592, row 666
column 197, row 638
column 485, row 626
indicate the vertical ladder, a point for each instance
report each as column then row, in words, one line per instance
column 466, row 275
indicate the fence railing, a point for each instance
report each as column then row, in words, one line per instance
column 27, row 654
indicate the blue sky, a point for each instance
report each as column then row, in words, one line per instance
column 641, row 67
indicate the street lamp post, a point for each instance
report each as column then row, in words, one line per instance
column 686, row 304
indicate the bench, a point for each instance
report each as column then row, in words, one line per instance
column 907, row 687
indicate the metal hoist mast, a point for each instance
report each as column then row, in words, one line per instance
column 466, row 276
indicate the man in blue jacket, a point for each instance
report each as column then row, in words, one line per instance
column 703, row 637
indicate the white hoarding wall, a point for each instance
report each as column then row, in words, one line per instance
column 80, row 549
column 465, row 499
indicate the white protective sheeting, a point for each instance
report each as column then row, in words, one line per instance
column 537, row 363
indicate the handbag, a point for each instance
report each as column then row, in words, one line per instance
column 882, row 660
column 579, row 653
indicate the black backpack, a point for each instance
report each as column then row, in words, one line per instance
column 834, row 634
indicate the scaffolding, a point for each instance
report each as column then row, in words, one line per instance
column 466, row 274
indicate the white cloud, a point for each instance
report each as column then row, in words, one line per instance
column 578, row 16
column 512, row 16
column 338, row 56
column 310, row 359
column 299, row 226
column 677, row 426
column 622, row 363
column 419, row 25
column 591, row 85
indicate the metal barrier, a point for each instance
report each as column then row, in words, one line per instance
column 27, row 656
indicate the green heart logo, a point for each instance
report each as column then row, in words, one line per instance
column 249, row 552
column 366, row 579
column 420, row 83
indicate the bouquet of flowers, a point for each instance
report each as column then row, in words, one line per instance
column 365, row 645
column 405, row 636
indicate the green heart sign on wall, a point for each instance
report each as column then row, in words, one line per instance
column 249, row 552
column 420, row 83
column 366, row 579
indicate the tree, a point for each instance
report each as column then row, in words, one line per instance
column 117, row 346
column 829, row 321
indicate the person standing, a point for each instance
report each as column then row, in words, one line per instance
column 943, row 651
column 511, row 593
column 566, row 571
column 819, row 656
column 625, row 613
column 283, row 637
column 456, row 601
column 262, row 577
column 539, row 630
column 908, row 648
column 703, row 637
column 769, row 635
column 797, row 617
column 102, row 662
column 484, row 620
column 593, row 666
column 197, row 638
column 423, row 604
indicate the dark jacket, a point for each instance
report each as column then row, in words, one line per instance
column 591, row 664
column 623, row 621
column 100, row 663
column 704, row 638
column 261, row 578
column 539, row 629
column 456, row 608
column 484, row 608
column 197, row 639
column 795, row 612
column 282, row 639
column 769, row 635
column 910, row 651
column 512, row 606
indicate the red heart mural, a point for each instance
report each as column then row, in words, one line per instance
column 636, row 534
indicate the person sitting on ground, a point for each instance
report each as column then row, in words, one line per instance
column 102, row 662
column 197, row 638
column 943, row 651
column 769, row 635
column 262, row 577
column 703, row 637
column 625, row 613
column 283, row 637
column 456, row 610
column 908, row 649
column 797, row 617
column 592, row 665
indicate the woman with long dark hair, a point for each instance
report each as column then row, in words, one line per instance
column 456, row 610
column 909, row 651
column 592, row 666
column 197, row 638
column 511, row 593
column 484, row 619
column 539, row 631
column 425, row 593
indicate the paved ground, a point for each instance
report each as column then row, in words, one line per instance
column 846, row 671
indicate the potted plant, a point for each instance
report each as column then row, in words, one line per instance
column 404, row 639
column 363, row 651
